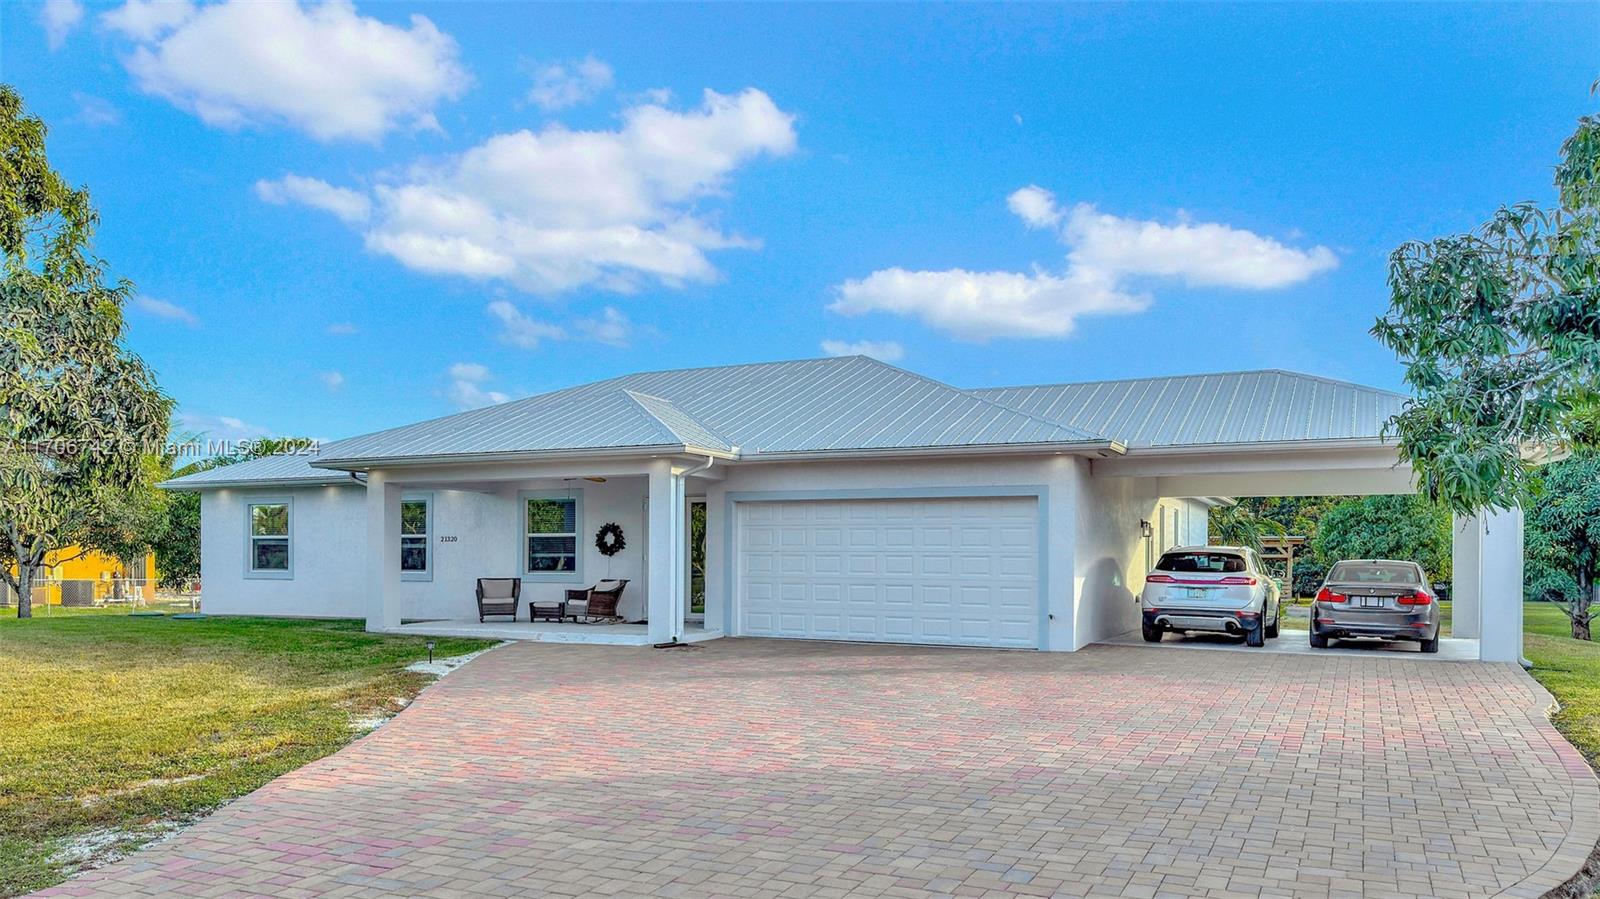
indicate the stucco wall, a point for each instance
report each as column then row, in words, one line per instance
column 327, row 544
column 1053, row 473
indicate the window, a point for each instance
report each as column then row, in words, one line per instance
column 1188, row 562
column 416, row 527
column 1375, row 573
column 550, row 536
column 268, row 549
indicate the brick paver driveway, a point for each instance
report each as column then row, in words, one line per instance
column 766, row 768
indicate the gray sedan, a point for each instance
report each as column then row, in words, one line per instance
column 1378, row 598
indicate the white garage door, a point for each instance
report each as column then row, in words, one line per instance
column 955, row 571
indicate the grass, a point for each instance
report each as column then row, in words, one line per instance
column 1568, row 668
column 116, row 726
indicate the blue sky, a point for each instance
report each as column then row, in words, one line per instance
column 345, row 217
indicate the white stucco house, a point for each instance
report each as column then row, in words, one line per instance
column 844, row 499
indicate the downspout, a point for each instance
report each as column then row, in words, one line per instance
column 680, row 550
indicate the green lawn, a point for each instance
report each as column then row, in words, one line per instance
column 1568, row 668
column 112, row 724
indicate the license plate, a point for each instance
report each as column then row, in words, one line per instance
column 1372, row 602
column 1197, row 593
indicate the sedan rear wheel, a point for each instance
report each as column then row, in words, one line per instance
column 1318, row 641
column 1431, row 645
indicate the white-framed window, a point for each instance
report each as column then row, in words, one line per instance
column 551, row 523
column 416, row 536
column 269, row 544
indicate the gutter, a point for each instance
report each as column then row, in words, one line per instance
column 680, row 549
column 361, row 463
column 1101, row 448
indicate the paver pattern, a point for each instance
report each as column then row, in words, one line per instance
column 794, row 769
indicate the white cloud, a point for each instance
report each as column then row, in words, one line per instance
column 610, row 327
column 884, row 350
column 519, row 330
column 147, row 20
column 555, row 210
column 466, row 386
column 1104, row 253
column 331, row 379
column 340, row 329
column 349, row 205
column 95, row 111
column 561, row 85
column 220, row 427
column 59, row 18
column 320, row 68
column 166, row 310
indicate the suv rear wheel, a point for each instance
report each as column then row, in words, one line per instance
column 1256, row 637
column 1272, row 629
column 1151, row 632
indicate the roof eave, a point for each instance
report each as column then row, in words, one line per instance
column 1096, row 447
column 362, row 463
column 1263, row 446
column 331, row 479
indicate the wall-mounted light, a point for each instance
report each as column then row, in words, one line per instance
column 1145, row 529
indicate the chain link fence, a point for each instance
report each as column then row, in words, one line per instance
column 134, row 594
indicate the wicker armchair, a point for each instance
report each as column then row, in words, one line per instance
column 597, row 603
column 498, row 596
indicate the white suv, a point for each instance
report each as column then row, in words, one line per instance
column 1221, row 589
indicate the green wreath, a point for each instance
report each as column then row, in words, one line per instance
column 609, row 539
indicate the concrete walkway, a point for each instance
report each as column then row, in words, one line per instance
column 769, row 768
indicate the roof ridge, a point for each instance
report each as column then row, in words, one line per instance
column 1078, row 432
column 673, row 432
column 1206, row 374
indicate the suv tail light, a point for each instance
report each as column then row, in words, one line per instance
column 1160, row 579
column 1419, row 598
column 1326, row 595
column 1238, row 581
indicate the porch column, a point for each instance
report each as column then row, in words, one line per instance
column 663, row 542
column 1500, row 599
column 383, row 552
column 1466, row 596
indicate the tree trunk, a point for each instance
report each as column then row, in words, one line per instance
column 24, row 588
column 1588, row 594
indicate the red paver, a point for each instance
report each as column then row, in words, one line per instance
column 793, row 769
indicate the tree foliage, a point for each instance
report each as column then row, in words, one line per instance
column 79, row 413
column 1242, row 525
column 1410, row 528
column 1563, row 539
column 1499, row 332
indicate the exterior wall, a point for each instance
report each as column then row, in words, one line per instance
column 74, row 564
column 1113, row 556
column 328, row 544
column 1054, row 476
column 327, row 538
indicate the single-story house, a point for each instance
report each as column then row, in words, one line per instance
column 841, row 499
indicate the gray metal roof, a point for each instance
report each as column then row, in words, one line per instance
column 289, row 469
column 1231, row 408
column 812, row 405
column 854, row 403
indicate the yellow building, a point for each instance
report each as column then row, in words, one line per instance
column 79, row 576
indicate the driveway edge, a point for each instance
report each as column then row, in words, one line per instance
column 1574, row 867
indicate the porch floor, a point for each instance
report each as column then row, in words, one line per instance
column 547, row 631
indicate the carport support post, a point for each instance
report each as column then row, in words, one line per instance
column 1500, row 596
column 1466, row 597
column 383, row 552
column 664, row 525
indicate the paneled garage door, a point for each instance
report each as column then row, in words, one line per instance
column 956, row 571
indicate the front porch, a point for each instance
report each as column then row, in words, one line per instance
column 549, row 631
column 555, row 527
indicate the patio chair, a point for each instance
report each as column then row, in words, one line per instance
column 597, row 603
column 498, row 596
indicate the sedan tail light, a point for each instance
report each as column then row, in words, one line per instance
column 1419, row 598
column 1326, row 595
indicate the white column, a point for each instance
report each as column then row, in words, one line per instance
column 1501, row 587
column 383, row 552
column 1466, row 548
column 659, row 590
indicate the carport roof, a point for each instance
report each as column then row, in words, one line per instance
column 1244, row 407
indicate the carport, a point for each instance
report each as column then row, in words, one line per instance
column 1278, row 433
column 1486, row 549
